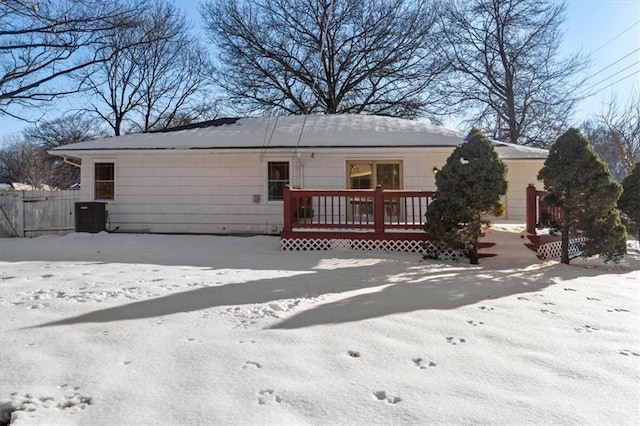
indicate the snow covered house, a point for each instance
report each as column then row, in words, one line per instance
column 230, row 175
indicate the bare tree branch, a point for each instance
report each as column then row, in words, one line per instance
column 24, row 158
column 374, row 57
column 43, row 42
column 615, row 135
column 150, row 84
column 508, row 76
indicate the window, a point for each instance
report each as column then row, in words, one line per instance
column 368, row 174
column 277, row 179
column 104, row 181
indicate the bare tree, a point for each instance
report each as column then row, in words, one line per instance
column 623, row 126
column 508, row 75
column 326, row 56
column 615, row 135
column 600, row 139
column 197, row 112
column 22, row 161
column 63, row 131
column 148, row 85
column 42, row 42
column 24, row 158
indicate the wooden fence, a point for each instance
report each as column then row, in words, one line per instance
column 35, row 213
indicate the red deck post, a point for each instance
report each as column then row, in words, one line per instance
column 287, row 209
column 378, row 210
column 531, row 209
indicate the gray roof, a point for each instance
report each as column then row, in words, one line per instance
column 312, row 131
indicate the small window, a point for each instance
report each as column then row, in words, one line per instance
column 278, row 178
column 104, row 179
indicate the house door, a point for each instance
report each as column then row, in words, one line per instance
column 368, row 174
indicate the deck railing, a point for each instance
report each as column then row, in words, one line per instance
column 537, row 212
column 373, row 210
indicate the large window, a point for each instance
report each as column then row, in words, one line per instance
column 368, row 174
column 277, row 179
column 104, row 181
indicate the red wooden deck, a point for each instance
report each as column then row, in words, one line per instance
column 373, row 214
column 378, row 219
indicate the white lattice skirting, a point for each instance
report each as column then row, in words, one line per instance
column 554, row 250
column 425, row 248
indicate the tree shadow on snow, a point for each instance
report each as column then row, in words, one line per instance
column 394, row 285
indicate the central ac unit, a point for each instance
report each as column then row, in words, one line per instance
column 91, row 216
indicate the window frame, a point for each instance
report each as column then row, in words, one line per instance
column 268, row 181
column 374, row 170
column 94, row 179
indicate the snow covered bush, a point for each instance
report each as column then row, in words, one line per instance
column 629, row 201
column 580, row 183
column 469, row 186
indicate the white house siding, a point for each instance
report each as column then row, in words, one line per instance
column 189, row 192
column 328, row 168
column 207, row 191
column 520, row 174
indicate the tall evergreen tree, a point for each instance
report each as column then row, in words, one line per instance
column 580, row 183
column 629, row 201
column 469, row 186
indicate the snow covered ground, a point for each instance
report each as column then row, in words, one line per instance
column 113, row 329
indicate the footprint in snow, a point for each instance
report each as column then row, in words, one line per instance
column 266, row 394
column 454, row 341
column 28, row 402
column 587, row 328
column 594, row 299
column 627, row 352
column 382, row 396
column 418, row 362
column 474, row 323
column 546, row 311
column 353, row 354
column 253, row 364
column 569, row 289
column 617, row 310
column 522, row 298
column 486, row 308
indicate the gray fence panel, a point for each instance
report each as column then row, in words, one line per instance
column 35, row 213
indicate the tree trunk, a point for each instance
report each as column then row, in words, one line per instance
column 475, row 234
column 564, row 256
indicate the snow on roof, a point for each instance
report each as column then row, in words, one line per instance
column 312, row 131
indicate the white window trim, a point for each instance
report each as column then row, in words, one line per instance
column 266, row 177
column 374, row 162
column 93, row 178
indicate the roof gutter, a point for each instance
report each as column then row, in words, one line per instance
column 76, row 162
